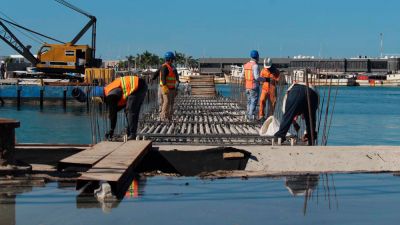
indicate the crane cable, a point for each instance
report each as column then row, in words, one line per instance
column 31, row 31
column 69, row 5
column 38, row 40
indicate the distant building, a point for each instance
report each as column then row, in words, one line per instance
column 110, row 63
column 219, row 66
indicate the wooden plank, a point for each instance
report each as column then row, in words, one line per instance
column 115, row 167
column 233, row 155
column 90, row 156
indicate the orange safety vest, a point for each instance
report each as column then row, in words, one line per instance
column 267, row 86
column 171, row 77
column 250, row 83
column 128, row 84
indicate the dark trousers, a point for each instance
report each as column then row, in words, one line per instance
column 296, row 104
column 133, row 105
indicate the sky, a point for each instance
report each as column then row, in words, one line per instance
column 218, row 28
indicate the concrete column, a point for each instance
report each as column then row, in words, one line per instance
column 7, row 140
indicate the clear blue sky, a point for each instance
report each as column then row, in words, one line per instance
column 220, row 28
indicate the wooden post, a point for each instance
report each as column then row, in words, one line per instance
column 7, row 140
column 41, row 97
column 65, row 98
column 18, row 97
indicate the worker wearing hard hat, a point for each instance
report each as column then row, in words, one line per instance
column 2, row 70
column 268, row 91
column 124, row 92
column 300, row 99
column 251, row 74
column 168, row 84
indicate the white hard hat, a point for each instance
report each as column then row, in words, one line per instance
column 2, row 62
column 267, row 63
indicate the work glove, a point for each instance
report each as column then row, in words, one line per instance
column 164, row 89
column 109, row 134
column 97, row 100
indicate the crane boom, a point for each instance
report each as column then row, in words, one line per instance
column 8, row 37
column 90, row 24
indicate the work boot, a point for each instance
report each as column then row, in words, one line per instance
column 261, row 120
column 131, row 137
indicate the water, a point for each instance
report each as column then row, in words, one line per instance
column 354, row 199
column 363, row 116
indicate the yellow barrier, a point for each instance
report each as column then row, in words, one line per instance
column 101, row 76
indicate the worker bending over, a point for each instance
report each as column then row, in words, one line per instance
column 125, row 92
column 299, row 100
column 251, row 74
column 269, row 77
column 168, row 84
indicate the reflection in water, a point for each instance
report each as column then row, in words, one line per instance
column 133, row 190
column 306, row 185
column 7, row 209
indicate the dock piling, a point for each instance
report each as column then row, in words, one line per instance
column 41, row 98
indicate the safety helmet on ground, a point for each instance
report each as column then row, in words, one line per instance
column 254, row 54
column 267, row 63
column 169, row 56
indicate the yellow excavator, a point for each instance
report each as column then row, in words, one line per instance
column 56, row 59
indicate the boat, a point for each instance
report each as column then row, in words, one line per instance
column 323, row 78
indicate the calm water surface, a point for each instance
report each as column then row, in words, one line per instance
column 363, row 116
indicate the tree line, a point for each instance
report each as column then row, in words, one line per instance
column 148, row 60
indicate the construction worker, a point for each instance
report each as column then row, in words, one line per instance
column 251, row 74
column 268, row 91
column 2, row 70
column 300, row 99
column 168, row 85
column 124, row 92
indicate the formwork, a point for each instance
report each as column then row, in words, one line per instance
column 203, row 120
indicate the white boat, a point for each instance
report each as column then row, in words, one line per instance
column 322, row 78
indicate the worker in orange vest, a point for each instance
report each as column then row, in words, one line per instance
column 168, row 84
column 268, row 91
column 125, row 92
column 251, row 74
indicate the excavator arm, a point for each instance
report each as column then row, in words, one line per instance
column 9, row 38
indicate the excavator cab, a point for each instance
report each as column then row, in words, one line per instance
column 54, row 58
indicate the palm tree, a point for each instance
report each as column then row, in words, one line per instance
column 130, row 60
column 180, row 58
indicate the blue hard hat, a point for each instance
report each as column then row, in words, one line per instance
column 169, row 56
column 254, row 54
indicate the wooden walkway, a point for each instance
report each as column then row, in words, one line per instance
column 202, row 86
column 89, row 157
column 117, row 165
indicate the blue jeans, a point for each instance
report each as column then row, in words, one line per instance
column 252, row 100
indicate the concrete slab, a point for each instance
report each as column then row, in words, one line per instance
column 273, row 160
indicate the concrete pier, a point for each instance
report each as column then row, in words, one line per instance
column 288, row 160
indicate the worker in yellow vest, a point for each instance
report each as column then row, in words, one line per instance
column 125, row 92
column 168, row 84
column 251, row 73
